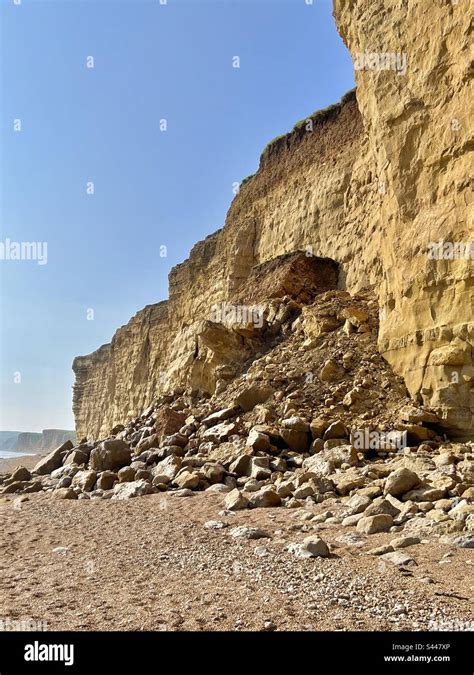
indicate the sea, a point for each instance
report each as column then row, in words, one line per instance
column 9, row 454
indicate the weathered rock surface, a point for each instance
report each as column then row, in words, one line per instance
column 53, row 460
column 109, row 455
column 422, row 166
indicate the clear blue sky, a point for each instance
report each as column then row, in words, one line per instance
column 152, row 188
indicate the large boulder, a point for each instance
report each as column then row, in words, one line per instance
column 318, row 426
column 20, row 473
column 16, row 486
column 106, row 480
column 253, row 395
column 147, row 443
column 264, row 498
column 187, row 480
column 255, row 467
column 64, row 493
column 298, row 441
column 137, row 488
column 110, row 455
column 126, row 474
column 374, row 524
column 168, row 421
column 401, row 481
column 76, row 456
column 258, row 441
column 326, row 461
column 85, row 480
column 168, row 467
column 336, row 429
column 235, row 500
column 212, row 472
column 219, row 416
column 355, row 316
column 54, row 460
column 219, row 432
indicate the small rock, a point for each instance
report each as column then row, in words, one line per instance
column 311, row 547
column 184, row 492
column 381, row 550
column 242, row 532
column 403, row 542
column 219, row 488
column 463, row 541
column 349, row 521
column 398, row 558
column 215, row 525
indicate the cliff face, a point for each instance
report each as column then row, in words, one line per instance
column 53, row 438
column 368, row 189
column 420, row 140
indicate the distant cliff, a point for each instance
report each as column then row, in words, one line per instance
column 370, row 183
column 28, row 441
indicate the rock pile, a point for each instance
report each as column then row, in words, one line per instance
column 286, row 432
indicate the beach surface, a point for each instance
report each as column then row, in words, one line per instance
column 152, row 564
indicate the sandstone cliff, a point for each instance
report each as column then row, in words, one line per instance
column 369, row 183
column 420, row 135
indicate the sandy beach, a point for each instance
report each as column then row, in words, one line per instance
column 153, row 564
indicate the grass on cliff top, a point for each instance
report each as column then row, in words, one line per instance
column 246, row 179
column 318, row 116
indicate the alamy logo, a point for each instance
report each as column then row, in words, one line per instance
column 24, row 250
column 451, row 250
column 458, row 625
column 365, row 439
column 23, row 624
column 43, row 652
column 237, row 314
column 396, row 61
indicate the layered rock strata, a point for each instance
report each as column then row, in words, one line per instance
column 371, row 182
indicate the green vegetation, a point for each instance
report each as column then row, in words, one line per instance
column 316, row 117
column 245, row 180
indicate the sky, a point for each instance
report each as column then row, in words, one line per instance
column 125, row 127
